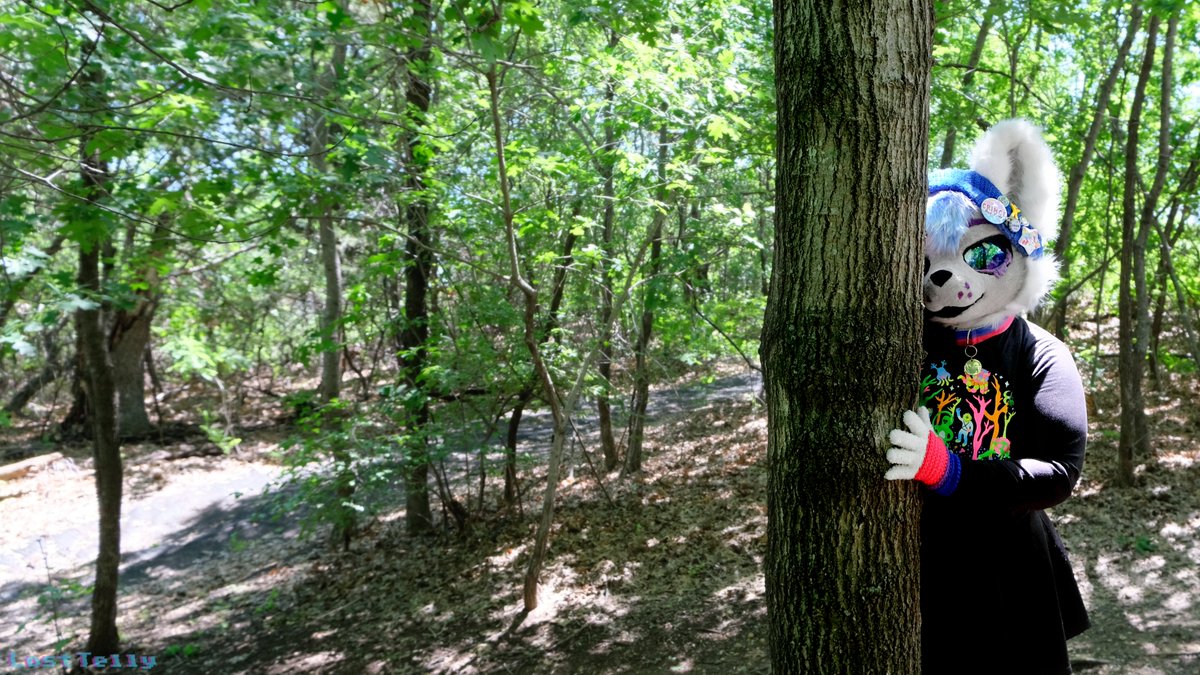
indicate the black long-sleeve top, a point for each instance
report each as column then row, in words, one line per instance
column 998, row 594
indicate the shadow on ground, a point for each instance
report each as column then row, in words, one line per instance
column 54, row 608
column 664, row 577
column 1136, row 550
column 662, row 574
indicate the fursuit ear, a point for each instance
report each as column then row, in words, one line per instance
column 1014, row 157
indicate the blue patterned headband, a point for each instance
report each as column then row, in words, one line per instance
column 996, row 208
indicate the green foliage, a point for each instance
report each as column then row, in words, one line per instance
column 236, row 543
column 186, row 651
column 1176, row 364
column 1141, row 543
column 338, row 466
column 271, row 603
column 217, row 435
column 52, row 597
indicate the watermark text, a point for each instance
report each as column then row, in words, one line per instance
column 83, row 659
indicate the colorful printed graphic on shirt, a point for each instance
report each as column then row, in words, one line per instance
column 970, row 412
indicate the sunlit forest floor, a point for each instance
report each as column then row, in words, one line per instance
column 1136, row 551
column 656, row 575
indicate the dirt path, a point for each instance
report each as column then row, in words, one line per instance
column 181, row 516
column 157, row 527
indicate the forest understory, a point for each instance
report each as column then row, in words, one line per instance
column 659, row 574
column 326, row 247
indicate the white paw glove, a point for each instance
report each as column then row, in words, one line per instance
column 912, row 449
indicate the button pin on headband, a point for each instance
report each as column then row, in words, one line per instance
column 993, row 204
column 993, row 211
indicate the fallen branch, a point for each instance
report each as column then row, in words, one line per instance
column 24, row 467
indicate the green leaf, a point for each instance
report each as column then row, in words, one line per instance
column 718, row 127
column 22, row 21
column 525, row 16
column 72, row 302
column 162, row 204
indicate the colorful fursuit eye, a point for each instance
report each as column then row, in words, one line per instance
column 990, row 256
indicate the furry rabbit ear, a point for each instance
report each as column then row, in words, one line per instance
column 1014, row 157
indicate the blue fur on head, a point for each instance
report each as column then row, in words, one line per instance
column 947, row 217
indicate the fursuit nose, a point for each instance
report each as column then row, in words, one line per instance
column 940, row 277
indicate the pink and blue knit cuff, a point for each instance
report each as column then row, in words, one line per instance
column 937, row 458
column 941, row 468
column 949, row 482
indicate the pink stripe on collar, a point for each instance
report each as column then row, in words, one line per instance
column 977, row 335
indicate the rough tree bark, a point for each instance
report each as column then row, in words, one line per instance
column 841, row 345
column 106, row 450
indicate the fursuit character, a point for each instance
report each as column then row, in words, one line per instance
column 1001, row 427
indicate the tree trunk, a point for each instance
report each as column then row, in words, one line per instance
column 1156, row 324
column 641, row 373
column 106, row 450
column 560, row 408
column 100, row 394
column 1130, row 305
column 331, row 361
column 684, row 241
column 841, row 345
column 330, row 389
column 764, row 254
column 131, row 332
column 972, row 62
column 1149, row 219
column 549, row 389
column 1062, row 246
column 511, row 492
column 1185, row 311
column 418, row 271
column 511, row 489
column 128, row 339
column 50, row 371
column 604, row 410
column 1168, row 236
column 77, row 423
